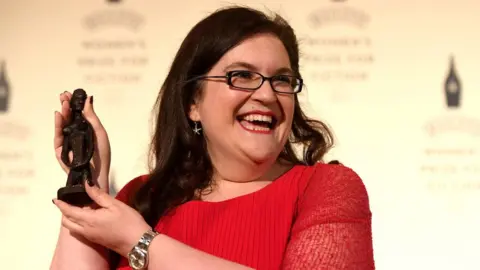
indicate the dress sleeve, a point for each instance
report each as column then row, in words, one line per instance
column 332, row 229
column 129, row 189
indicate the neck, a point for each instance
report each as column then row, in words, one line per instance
column 233, row 178
column 238, row 170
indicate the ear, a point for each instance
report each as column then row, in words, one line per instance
column 194, row 113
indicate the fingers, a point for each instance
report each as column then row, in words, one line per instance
column 99, row 196
column 61, row 118
column 58, row 135
column 65, row 96
column 65, row 104
column 73, row 213
column 90, row 115
column 66, row 111
column 71, row 226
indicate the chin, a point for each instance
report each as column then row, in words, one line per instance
column 262, row 157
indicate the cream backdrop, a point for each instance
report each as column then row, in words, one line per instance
column 375, row 71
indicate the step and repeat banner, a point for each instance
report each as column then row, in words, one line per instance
column 396, row 80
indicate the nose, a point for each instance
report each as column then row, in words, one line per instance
column 265, row 93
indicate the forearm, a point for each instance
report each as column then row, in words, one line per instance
column 167, row 253
column 75, row 252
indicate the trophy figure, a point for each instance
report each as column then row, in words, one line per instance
column 79, row 140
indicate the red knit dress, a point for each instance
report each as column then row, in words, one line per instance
column 311, row 217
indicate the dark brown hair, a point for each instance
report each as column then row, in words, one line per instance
column 180, row 162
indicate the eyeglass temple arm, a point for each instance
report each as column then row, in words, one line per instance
column 204, row 77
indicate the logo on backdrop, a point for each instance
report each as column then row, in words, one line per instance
column 338, row 14
column 451, row 153
column 453, row 120
column 4, row 88
column 10, row 128
column 113, row 49
column 114, row 16
column 338, row 47
column 16, row 155
column 453, row 86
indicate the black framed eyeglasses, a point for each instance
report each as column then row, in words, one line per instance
column 250, row 80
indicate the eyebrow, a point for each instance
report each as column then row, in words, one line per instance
column 253, row 68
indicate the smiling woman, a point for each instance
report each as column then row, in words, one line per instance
column 227, row 189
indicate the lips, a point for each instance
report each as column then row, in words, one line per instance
column 258, row 121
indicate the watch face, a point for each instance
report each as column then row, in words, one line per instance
column 136, row 259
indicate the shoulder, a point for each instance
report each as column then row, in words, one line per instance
column 334, row 186
column 130, row 188
column 330, row 174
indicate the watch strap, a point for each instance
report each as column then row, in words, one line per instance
column 147, row 238
column 141, row 248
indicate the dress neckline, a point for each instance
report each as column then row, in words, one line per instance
column 264, row 189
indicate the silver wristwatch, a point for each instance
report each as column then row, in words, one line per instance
column 138, row 256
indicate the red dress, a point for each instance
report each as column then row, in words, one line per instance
column 312, row 217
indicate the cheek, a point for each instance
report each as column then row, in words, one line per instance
column 218, row 107
column 288, row 107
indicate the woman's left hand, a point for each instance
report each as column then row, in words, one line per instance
column 112, row 223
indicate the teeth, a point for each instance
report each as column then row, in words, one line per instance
column 256, row 128
column 258, row 117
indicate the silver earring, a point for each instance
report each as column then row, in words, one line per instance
column 197, row 129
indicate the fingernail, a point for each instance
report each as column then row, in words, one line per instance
column 53, row 201
column 91, row 100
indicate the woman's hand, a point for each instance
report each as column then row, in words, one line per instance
column 102, row 157
column 112, row 224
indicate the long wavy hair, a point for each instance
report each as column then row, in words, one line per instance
column 180, row 162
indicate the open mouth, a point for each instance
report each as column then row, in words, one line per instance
column 257, row 122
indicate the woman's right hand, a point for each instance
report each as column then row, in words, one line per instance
column 101, row 159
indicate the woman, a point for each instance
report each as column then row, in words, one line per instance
column 227, row 189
